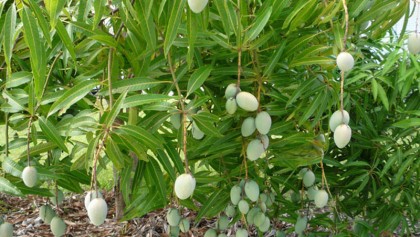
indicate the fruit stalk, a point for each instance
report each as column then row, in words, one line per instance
column 239, row 45
column 346, row 31
column 346, row 15
column 29, row 139
column 184, row 112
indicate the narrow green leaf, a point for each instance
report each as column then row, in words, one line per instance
column 91, row 149
column 65, row 38
column 99, row 6
column 205, row 122
column 11, row 167
column 297, row 8
column 72, row 96
column 39, row 149
column 174, row 155
column 274, row 60
column 105, row 39
column 258, row 25
column 142, row 135
column 9, row 32
column 136, row 100
column 52, row 133
column 114, row 154
column 227, row 16
column 192, row 36
column 133, row 84
column 112, row 115
column 132, row 144
column 173, row 24
column 147, row 25
column 215, row 203
column 383, row 97
column 156, row 174
column 312, row 60
column 7, row 187
column 41, row 20
column 54, row 8
column 36, row 50
column 407, row 123
column 96, row 34
column 18, row 78
column 198, row 78
column 165, row 161
column 374, row 89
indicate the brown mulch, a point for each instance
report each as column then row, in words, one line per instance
column 23, row 213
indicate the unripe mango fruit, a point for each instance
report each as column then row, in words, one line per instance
column 58, row 227
column 184, row 186
column 263, row 122
column 252, row 190
column 97, row 211
column 414, row 43
column 197, row 6
column 342, row 135
column 247, row 101
column 337, row 118
column 345, row 61
column 29, row 176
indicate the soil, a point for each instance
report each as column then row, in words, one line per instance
column 23, row 213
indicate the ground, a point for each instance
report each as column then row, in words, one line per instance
column 23, row 213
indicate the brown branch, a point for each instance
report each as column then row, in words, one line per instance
column 184, row 112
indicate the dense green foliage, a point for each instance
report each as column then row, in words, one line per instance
column 85, row 79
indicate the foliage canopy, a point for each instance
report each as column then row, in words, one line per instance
column 95, row 78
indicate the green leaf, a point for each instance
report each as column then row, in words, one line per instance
column 407, row 123
column 52, row 133
column 227, row 16
column 7, row 187
column 132, row 84
column 18, row 78
column 114, row 154
column 258, row 25
column 312, row 60
column 41, row 20
column 11, row 167
column 99, row 6
column 154, row 171
column 198, row 78
column 147, row 25
column 96, row 34
column 72, row 96
column 54, row 8
column 215, row 203
column 165, row 161
column 374, row 89
column 132, row 144
column 205, row 122
column 141, row 135
column 192, row 26
column 173, row 24
column 39, row 149
column 383, row 97
column 274, row 60
column 9, row 32
column 65, row 38
column 141, row 99
column 174, row 155
column 112, row 115
column 36, row 50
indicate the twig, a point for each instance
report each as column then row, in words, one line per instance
column 239, row 46
column 184, row 112
column 346, row 12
